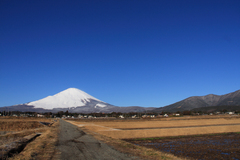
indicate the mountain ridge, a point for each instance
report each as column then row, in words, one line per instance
column 71, row 100
column 75, row 100
column 194, row 102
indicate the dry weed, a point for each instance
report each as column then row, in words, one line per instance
column 8, row 118
column 43, row 147
column 112, row 132
column 19, row 124
column 143, row 129
column 132, row 149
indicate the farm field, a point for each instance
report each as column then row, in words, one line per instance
column 28, row 136
column 200, row 137
column 12, row 124
column 207, row 147
column 127, row 129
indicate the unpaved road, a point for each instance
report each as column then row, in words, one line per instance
column 76, row 144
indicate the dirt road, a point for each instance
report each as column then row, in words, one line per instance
column 76, row 144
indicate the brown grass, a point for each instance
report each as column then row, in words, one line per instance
column 155, row 124
column 114, row 129
column 19, row 124
column 8, row 118
column 11, row 137
column 15, row 128
column 43, row 147
column 126, row 147
column 126, row 134
column 111, row 132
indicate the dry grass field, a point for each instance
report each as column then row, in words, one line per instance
column 19, row 124
column 43, row 147
column 126, row 129
column 113, row 132
column 129, row 148
column 14, row 129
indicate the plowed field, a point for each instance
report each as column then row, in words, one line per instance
column 207, row 147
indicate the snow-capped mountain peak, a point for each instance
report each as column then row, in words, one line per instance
column 72, row 100
column 71, row 97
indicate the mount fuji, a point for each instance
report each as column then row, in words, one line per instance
column 69, row 98
column 72, row 100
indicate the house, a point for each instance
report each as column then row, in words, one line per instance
column 134, row 116
column 165, row 115
column 40, row 115
column 121, row 116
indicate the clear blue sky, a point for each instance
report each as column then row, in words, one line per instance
column 124, row 52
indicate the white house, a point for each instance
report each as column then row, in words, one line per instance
column 121, row 116
column 165, row 115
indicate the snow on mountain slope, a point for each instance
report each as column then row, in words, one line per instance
column 71, row 97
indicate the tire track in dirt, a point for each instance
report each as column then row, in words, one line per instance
column 75, row 144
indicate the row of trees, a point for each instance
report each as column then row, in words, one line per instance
column 113, row 114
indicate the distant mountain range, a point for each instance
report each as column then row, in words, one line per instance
column 75, row 100
column 200, row 102
column 72, row 100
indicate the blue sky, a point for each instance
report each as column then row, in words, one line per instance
column 124, row 52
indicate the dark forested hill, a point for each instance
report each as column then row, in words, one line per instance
column 230, row 99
